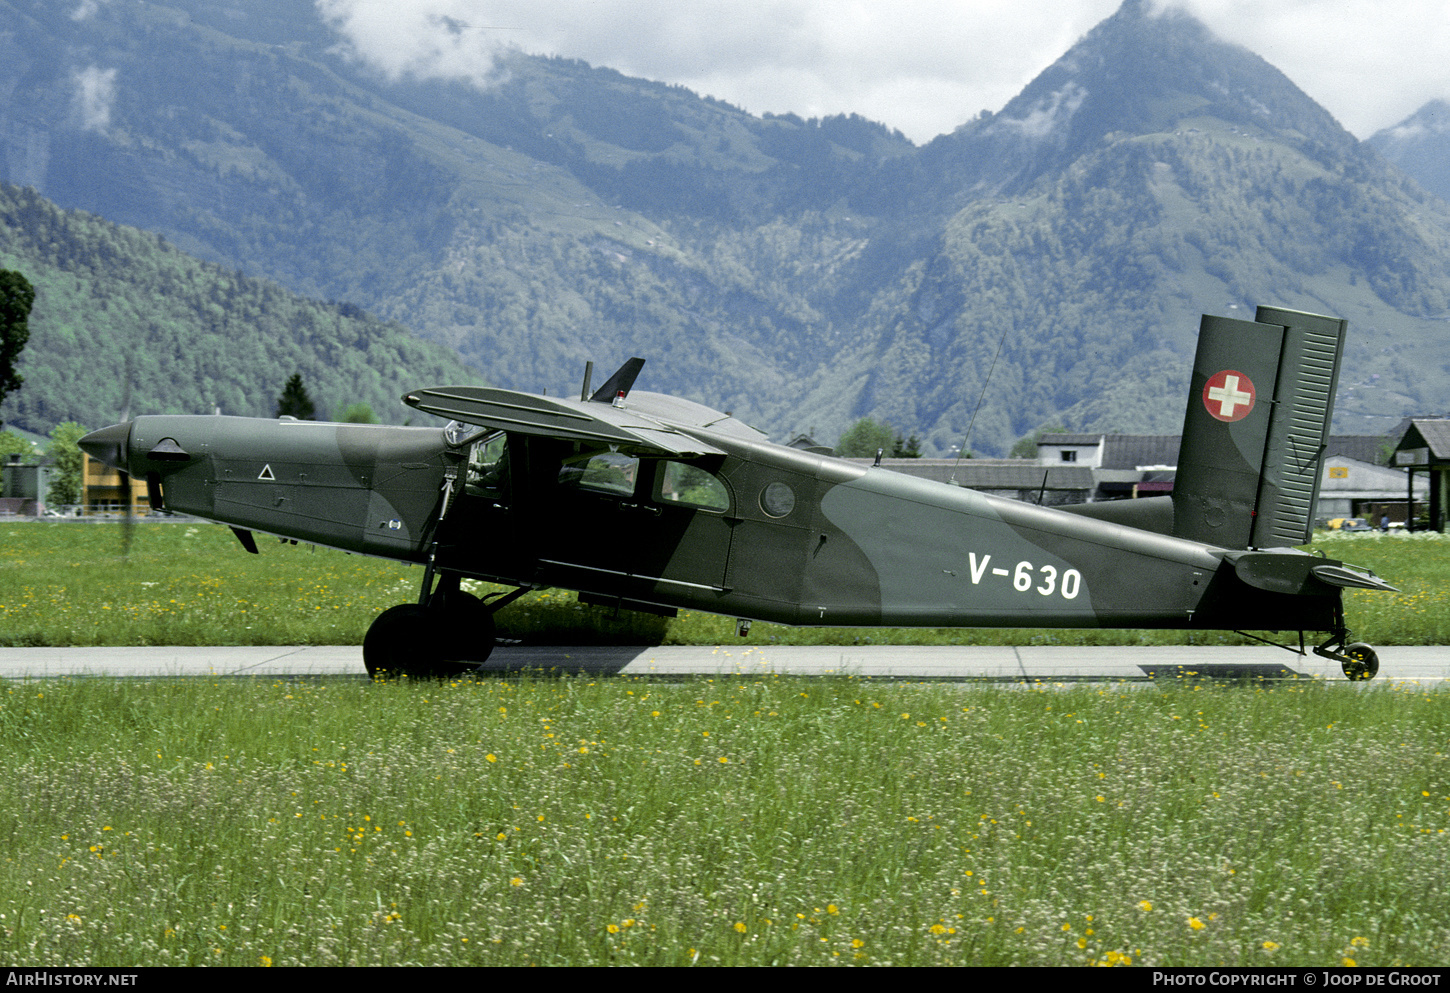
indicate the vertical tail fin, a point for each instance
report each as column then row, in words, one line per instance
column 1256, row 428
column 620, row 383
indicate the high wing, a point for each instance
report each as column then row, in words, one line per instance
column 652, row 425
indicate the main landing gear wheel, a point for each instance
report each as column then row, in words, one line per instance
column 1359, row 661
column 466, row 626
column 425, row 642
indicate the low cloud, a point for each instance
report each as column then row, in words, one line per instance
column 95, row 95
column 1047, row 115
column 87, row 9
column 920, row 65
column 428, row 39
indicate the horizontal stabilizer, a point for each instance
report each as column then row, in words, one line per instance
column 1300, row 573
column 1340, row 575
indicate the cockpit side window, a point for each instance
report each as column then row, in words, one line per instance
column 488, row 467
column 691, row 486
column 601, row 472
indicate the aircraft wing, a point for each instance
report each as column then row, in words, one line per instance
column 588, row 421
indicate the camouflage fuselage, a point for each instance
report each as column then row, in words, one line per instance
column 804, row 539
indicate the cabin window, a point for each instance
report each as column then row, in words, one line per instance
column 1069, row 456
column 691, row 486
column 777, row 500
column 602, row 472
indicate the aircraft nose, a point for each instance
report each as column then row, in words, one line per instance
column 108, row 445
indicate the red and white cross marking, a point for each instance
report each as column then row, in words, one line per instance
column 1229, row 395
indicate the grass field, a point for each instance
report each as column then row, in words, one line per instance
column 735, row 822
column 191, row 584
column 573, row 821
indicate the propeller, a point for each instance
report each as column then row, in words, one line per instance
column 109, row 447
column 128, row 523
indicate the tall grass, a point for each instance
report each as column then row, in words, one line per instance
column 728, row 821
column 191, row 584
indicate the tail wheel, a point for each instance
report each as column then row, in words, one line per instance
column 1359, row 661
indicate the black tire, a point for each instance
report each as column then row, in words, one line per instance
column 1362, row 662
column 469, row 626
column 414, row 641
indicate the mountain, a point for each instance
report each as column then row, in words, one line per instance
column 1420, row 145
column 568, row 214
column 194, row 337
column 1151, row 174
column 800, row 273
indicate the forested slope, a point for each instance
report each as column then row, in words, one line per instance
column 198, row 337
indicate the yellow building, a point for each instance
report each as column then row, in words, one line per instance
column 103, row 492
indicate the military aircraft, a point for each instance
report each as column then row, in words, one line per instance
column 649, row 502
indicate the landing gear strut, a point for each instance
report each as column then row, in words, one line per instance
column 1357, row 659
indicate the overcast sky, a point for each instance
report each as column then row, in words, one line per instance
column 923, row 66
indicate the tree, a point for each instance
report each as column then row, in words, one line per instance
column 358, row 413
column 909, row 448
column 864, row 438
column 12, row 444
column 65, row 481
column 294, row 401
column 16, row 298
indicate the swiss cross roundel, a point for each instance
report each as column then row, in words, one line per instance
column 1229, row 395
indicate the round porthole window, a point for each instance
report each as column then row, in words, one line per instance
column 777, row 499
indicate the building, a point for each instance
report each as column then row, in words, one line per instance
column 1017, row 479
column 1351, row 488
column 1124, row 466
column 23, row 486
column 104, row 491
column 1088, row 468
column 1138, row 465
column 806, row 443
column 1425, row 448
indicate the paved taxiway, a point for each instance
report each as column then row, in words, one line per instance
column 1009, row 664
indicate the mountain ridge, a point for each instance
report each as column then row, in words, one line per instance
column 1420, row 145
column 801, row 273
